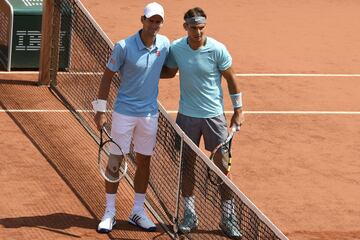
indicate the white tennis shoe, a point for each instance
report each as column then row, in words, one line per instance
column 107, row 222
column 143, row 221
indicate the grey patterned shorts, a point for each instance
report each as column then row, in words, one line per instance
column 214, row 130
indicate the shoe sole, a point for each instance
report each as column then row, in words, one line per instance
column 151, row 229
column 105, row 230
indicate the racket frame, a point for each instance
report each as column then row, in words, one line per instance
column 226, row 165
column 124, row 158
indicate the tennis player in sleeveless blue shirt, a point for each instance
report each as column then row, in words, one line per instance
column 138, row 59
column 202, row 62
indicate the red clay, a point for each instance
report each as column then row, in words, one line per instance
column 302, row 171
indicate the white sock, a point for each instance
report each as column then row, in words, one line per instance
column 139, row 201
column 110, row 203
column 228, row 208
column 190, row 203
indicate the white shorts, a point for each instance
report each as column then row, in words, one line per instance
column 141, row 130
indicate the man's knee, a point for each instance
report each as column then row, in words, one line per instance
column 143, row 161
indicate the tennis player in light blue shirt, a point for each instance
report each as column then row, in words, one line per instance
column 200, row 76
column 138, row 59
column 202, row 62
column 139, row 68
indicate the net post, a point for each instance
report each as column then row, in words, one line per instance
column 46, row 39
column 55, row 43
column 178, row 190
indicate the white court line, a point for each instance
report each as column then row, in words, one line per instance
column 80, row 73
column 294, row 112
column 295, row 75
column 60, row 73
column 41, row 111
column 19, row 72
column 172, row 112
column 237, row 74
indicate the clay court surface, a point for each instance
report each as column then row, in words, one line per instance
column 296, row 157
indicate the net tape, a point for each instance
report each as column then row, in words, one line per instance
column 171, row 165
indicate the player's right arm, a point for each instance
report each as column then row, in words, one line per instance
column 100, row 117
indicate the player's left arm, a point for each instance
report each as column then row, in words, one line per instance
column 236, row 97
column 167, row 72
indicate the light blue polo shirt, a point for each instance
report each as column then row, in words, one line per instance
column 139, row 69
column 201, row 95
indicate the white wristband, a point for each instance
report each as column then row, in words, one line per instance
column 99, row 105
column 236, row 100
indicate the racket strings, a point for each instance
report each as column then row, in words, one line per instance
column 111, row 159
column 221, row 154
column 226, row 156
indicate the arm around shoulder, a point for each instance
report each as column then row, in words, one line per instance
column 167, row 72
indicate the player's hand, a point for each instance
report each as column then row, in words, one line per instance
column 237, row 118
column 100, row 119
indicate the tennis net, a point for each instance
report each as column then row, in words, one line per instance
column 175, row 157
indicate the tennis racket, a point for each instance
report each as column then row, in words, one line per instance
column 111, row 168
column 224, row 150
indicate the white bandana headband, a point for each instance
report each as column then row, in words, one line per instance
column 195, row 20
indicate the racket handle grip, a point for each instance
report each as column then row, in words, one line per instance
column 235, row 128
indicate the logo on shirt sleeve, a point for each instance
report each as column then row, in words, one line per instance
column 158, row 53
